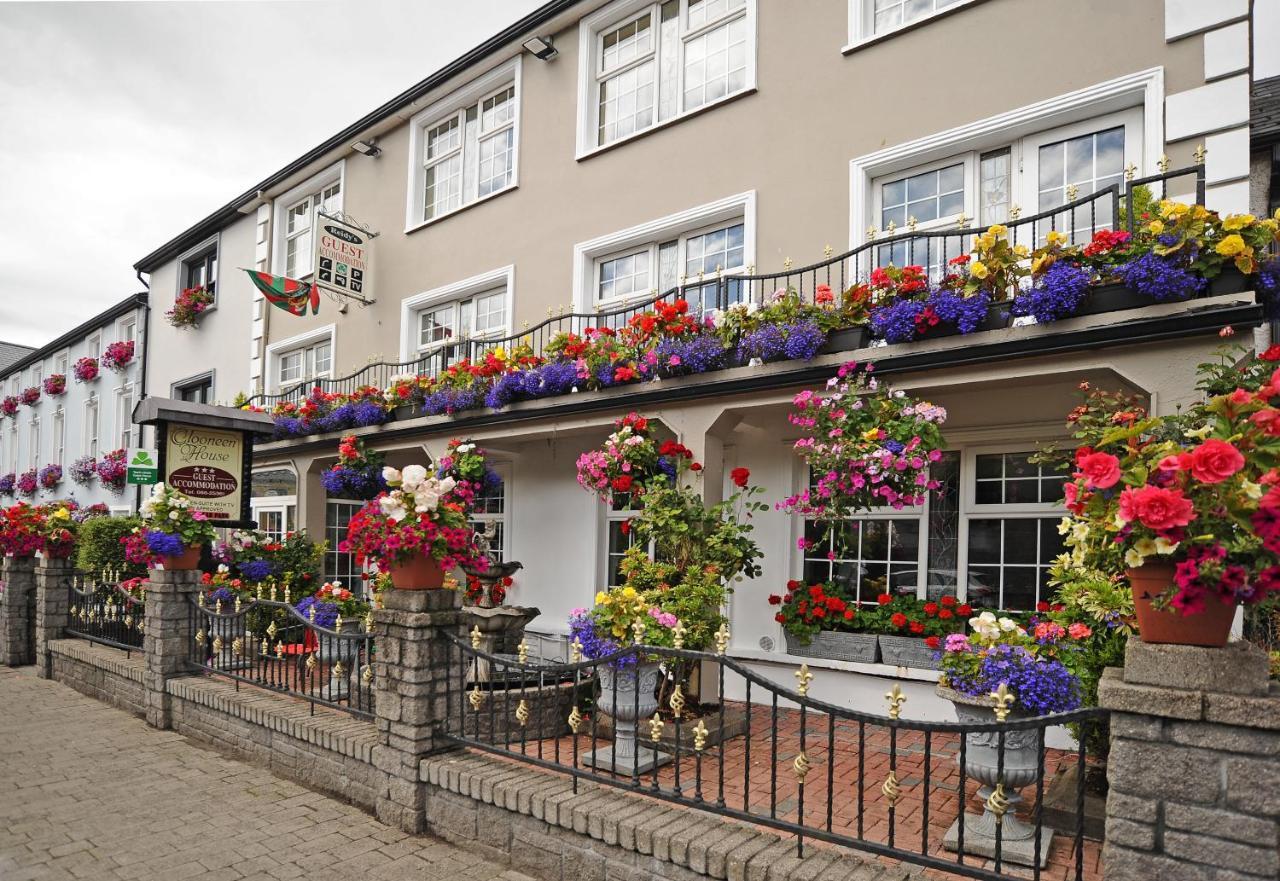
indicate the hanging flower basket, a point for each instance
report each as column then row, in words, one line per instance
column 55, row 384
column 118, row 356
column 85, row 369
column 83, row 470
column 111, row 471
column 50, row 476
column 189, row 306
column 31, row 396
column 27, row 483
column 9, row 405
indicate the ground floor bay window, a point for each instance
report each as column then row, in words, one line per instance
column 987, row 537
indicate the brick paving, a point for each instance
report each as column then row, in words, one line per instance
column 88, row 792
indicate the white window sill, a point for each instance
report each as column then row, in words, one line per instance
column 414, row 227
column 888, row 671
column 666, row 123
column 873, row 39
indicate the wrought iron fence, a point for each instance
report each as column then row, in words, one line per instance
column 780, row 758
column 931, row 248
column 265, row 642
column 102, row 611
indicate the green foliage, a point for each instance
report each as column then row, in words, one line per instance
column 1144, row 203
column 98, row 545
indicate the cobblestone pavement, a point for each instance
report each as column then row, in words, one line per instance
column 90, row 792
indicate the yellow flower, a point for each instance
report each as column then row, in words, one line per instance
column 1165, row 545
column 1041, row 263
column 602, row 598
column 978, row 270
column 1021, row 251
column 1156, row 227
column 983, row 242
column 1231, row 245
column 996, row 230
column 1133, row 558
column 1055, row 238
column 1237, row 221
column 500, row 353
column 1173, row 209
column 871, row 434
column 62, row 514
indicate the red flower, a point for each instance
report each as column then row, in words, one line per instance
column 931, row 608
column 696, row 466
column 849, row 614
column 948, row 600
column 622, row 483
column 884, row 599
column 964, row 611
column 898, row 620
column 1272, row 353
column 625, row 527
column 1099, row 470
column 780, row 618
column 917, row 627
column 1156, row 508
column 822, row 294
column 946, row 614
column 932, row 642
column 1042, row 606
column 775, row 600
column 1214, row 461
column 740, row 476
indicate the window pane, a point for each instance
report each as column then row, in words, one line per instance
column 715, row 64
column 994, row 187
column 496, row 157
column 626, row 43
column 444, row 186
column 624, row 276
column 720, row 249
column 322, row 356
column 703, row 11
column 927, row 196
column 444, row 138
column 626, row 102
column 498, row 110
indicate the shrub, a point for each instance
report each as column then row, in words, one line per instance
column 99, row 545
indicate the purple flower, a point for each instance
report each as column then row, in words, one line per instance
column 698, row 354
column 551, row 379
column 964, row 312
column 767, row 342
column 594, row 645
column 1058, row 294
column 895, row 322
column 165, row 544
column 288, row 426
column 367, row 413
column 326, row 613
column 508, row 389
column 1041, row 685
column 804, row 339
column 345, row 482
column 257, row 570
column 1160, row 278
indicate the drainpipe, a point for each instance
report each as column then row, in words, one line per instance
column 146, row 356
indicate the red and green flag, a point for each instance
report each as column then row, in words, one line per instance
column 289, row 294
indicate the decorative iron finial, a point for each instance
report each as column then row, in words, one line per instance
column 200, row 636
column 273, row 593
column 200, row 599
column 828, row 251
column 366, row 675
column 912, row 223
column 522, row 652
column 787, row 264
column 266, row 647
column 892, row 792
column 896, row 699
column 722, row 638
column 368, row 622
column 339, row 671
column 1129, row 171
column 871, row 233
column 237, row 647
column 803, row 678
column 801, row 766
column 575, row 653
column 892, row 227
column 260, row 589
column 998, row 802
column 217, row 645
column 1072, row 192
column 1015, row 211
column 311, row 614
column 1004, row 700
column 961, row 219
column 272, row 630
column 677, row 635
column 280, row 650
column 522, row 713
column 677, row 702
column 1199, row 154
column 1163, row 163
column 311, row 663
column 337, row 623
column 475, row 637
column 656, row 726
column 575, row 719
column 637, row 630
column 476, row 698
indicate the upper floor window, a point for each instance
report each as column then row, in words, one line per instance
column 61, row 362
column 127, row 329
column 91, row 425
column 463, row 148
column 660, row 266
column 33, row 452
column 93, row 345
column 645, row 64
column 124, row 416
column 306, row 363
column 872, row 19
column 59, row 436
column 476, row 308
column 294, row 221
column 198, row 390
column 201, row 271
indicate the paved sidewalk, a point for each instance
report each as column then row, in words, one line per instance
column 90, row 792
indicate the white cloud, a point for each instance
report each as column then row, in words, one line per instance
column 121, row 124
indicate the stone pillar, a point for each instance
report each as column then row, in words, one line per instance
column 168, row 637
column 18, row 612
column 53, row 602
column 411, row 670
column 1194, row 766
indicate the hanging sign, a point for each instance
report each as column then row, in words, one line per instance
column 209, row 466
column 343, row 253
column 141, row 467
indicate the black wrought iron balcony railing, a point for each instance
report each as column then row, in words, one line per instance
column 1078, row 219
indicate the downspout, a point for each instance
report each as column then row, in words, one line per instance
column 146, row 355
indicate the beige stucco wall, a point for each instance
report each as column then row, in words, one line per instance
column 791, row 142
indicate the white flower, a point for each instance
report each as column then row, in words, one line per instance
column 391, row 475
column 1080, row 531
column 174, row 515
column 223, row 567
column 1132, row 558
column 466, row 448
column 446, row 485
column 412, row 476
column 1064, row 526
column 426, row 499
column 1251, row 489
column 1145, row 547
column 1165, row 545
column 392, row 509
column 985, row 625
column 1008, row 625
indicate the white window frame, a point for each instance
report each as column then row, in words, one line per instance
column 968, row 161
column 332, row 553
column 587, row 255
column 502, row 77
column 34, row 438
column 1143, row 89
column 93, row 345
column 590, row 31
column 503, row 470
column 60, row 436
column 127, row 329
column 283, row 505
column 92, row 424
column 486, row 282
column 62, row 363
column 304, row 340
column 13, row 447
column 862, row 22
column 125, row 436
column 308, row 189
column 214, row 244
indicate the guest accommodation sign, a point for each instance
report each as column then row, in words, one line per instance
column 342, row 258
column 209, row 465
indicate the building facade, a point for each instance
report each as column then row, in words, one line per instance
column 84, row 422
column 594, row 154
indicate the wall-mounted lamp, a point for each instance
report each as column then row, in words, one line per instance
column 367, row 148
column 542, row 48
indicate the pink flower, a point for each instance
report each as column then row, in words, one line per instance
column 1214, row 461
column 1156, row 508
column 1079, row 630
column 1099, row 470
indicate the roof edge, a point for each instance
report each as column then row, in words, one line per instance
column 133, row 301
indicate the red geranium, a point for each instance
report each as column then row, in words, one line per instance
column 740, row 476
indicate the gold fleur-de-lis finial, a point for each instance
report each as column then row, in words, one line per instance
column 280, row 650
column 217, row 645
column 677, row 701
column 892, row 792
column 475, row 637
column 803, row 678
column 237, row 606
column 871, row 233
column 912, row 223
column 801, row 765
column 311, row 663
column 677, row 635
column 751, row 269
column 700, row 733
column 272, row 630
column 476, row 698
column 998, row 802
column 722, row 638
column 1015, row 211
column 575, row 719
column 828, row 251
column 1072, row 192
column 1163, row 163
column 522, row 713
column 656, row 727
column 575, row 651
column 261, row 587
column 961, row 219
column 522, row 652
column 892, row 227
column 339, row 671
column 551, row 311
column 266, row 647
column 524, row 325
column 337, row 622
column 200, row 636
column 787, row 264
column 637, row 630
column 273, row 592
column 199, row 599
column 1199, row 154
column 896, row 699
column 1129, row 171
column 366, row 675
column 368, row 622
column 311, row 614
column 237, row 647
column 1004, row 700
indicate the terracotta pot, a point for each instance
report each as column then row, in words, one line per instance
column 1208, row 628
column 188, row 559
column 419, row 573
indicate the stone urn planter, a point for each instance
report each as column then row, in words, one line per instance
column 501, row 629
column 629, row 694
column 1021, row 765
column 835, row 645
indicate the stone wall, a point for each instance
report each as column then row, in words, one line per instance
column 1194, row 767
column 17, row 611
column 107, row 674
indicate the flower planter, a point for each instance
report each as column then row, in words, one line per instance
column 188, row 559
column 997, row 318
column 835, row 645
column 907, row 651
column 420, row 572
column 982, row 763
column 1112, row 298
column 1229, row 281
column 1209, row 628
column 628, row 695
column 406, row 411
column 846, row 340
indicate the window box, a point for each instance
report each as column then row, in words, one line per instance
column 907, row 651
column 835, row 645
column 847, row 340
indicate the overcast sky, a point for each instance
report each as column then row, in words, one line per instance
column 121, row 124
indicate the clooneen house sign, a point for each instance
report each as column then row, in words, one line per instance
column 205, row 453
